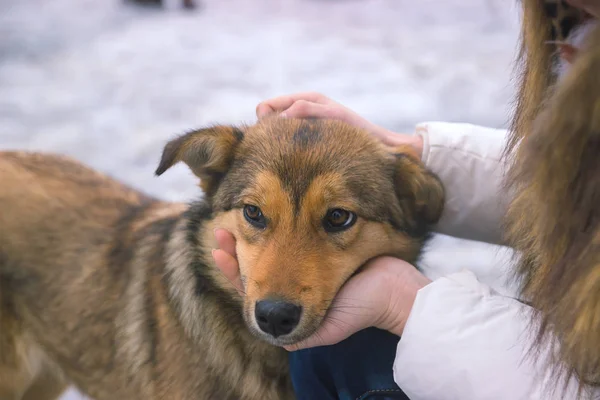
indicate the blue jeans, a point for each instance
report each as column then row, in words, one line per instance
column 358, row 368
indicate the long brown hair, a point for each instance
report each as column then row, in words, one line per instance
column 554, row 178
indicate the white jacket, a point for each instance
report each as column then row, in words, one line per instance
column 467, row 337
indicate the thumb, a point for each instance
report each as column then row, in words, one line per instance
column 229, row 268
column 225, row 241
column 226, row 261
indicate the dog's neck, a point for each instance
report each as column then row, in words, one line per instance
column 207, row 308
column 201, row 294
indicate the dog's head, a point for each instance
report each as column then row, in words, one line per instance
column 309, row 203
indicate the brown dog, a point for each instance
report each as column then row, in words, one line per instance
column 116, row 292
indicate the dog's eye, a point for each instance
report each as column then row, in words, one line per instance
column 337, row 220
column 254, row 216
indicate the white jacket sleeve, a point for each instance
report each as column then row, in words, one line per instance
column 467, row 158
column 463, row 341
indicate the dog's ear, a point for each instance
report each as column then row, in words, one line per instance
column 417, row 189
column 207, row 152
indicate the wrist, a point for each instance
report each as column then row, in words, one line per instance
column 402, row 289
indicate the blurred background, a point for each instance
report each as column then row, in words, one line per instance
column 109, row 81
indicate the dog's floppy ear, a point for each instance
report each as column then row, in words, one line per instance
column 208, row 152
column 418, row 189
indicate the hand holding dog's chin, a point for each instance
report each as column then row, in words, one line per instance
column 382, row 296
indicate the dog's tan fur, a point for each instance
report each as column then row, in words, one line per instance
column 116, row 292
column 554, row 220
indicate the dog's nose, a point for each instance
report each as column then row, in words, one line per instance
column 277, row 317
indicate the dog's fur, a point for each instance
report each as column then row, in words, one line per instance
column 116, row 292
column 554, row 219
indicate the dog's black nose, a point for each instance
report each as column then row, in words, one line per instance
column 277, row 317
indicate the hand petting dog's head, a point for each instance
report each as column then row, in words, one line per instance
column 309, row 203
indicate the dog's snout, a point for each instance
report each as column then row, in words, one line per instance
column 277, row 317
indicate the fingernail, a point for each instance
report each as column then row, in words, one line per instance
column 283, row 115
column 212, row 252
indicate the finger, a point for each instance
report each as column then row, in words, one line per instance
column 282, row 103
column 306, row 109
column 353, row 309
column 328, row 334
column 229, row 266
column 345, row 317
column 567, row 52
column 226, row 241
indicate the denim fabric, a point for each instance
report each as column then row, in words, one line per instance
column 358, row 368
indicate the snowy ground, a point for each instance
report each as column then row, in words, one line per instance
column 108, row 82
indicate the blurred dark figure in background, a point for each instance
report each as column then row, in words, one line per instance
column 189, row 4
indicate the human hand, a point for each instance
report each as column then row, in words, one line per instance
column 381, row 295
column 316, row 105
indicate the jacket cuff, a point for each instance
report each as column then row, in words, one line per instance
column 474, row 139
column 463, row 340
